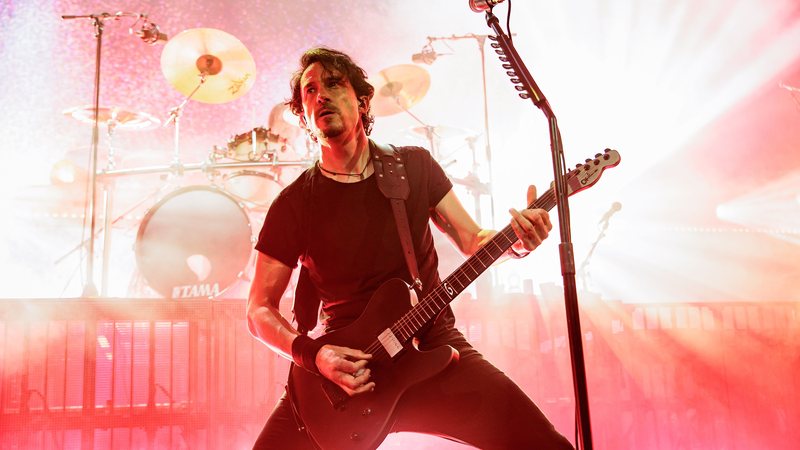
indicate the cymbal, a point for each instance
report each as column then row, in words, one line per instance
column 229, row 68
column 398, row 88
column 121, row 119
column 442, row 132
column 281, row 117
column 473, row 184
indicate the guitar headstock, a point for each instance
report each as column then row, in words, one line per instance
column 586, row 174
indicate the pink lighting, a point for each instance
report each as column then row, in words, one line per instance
column 688, row 290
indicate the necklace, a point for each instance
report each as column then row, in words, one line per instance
column 360, row 175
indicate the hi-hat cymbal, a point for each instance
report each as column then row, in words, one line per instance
column 398, row 88
column 229, row 67
column 118, row 118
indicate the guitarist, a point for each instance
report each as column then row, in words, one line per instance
column 337, row 223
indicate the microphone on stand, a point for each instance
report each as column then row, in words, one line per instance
column 427, row 56
column 482, row 5
column 788, row 88
column 150, row 33
column 616, row 206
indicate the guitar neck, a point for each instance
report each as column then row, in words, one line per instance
column 582, row 177
column 433, row 303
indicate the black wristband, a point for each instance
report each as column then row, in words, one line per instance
column 304, row 352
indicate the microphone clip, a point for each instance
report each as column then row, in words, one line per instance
column 426, row 56
column 148, row 32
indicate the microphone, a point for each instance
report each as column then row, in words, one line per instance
column 788, row 88
column 426, row 56
column 616, row 206
column 482, row 5
column 150, row 33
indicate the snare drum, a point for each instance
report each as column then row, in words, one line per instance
column 255, row 145
column 195, row 242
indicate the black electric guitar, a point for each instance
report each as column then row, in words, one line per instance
column 385, row 329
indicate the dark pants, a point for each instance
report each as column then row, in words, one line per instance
column 471, row 402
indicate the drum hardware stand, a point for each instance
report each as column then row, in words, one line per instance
column 480, row 39
column 175, row 115
column 108, row 188
column 429, row 134
column 482, row 188
column 110, row 174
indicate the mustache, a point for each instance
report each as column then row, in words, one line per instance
column 327, row 109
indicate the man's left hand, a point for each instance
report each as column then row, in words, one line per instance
column 530, row 225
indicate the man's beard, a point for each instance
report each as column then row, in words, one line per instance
column 330, row 132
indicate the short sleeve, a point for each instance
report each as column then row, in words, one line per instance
column 281, row 235
column 438, row 182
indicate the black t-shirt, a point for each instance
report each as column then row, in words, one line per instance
column 345, row 234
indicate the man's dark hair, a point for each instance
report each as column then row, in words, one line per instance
column 337, row 63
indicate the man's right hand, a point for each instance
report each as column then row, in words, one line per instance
column 346, row 367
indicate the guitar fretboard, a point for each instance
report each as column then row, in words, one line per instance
column 433, row 303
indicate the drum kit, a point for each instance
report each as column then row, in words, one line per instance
column 197, row 240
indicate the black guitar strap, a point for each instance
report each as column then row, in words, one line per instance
column 393, row 184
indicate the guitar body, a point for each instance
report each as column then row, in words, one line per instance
column 335, row 420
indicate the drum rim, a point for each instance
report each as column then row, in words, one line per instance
column 237, row 173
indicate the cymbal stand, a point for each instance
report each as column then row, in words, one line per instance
column 472, row 175
column 175, row 116
column 108, row 188
column 429, row 133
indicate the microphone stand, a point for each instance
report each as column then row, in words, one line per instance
column 525, row 84
column 480, row 39
column 89, row 288
column 583, row 270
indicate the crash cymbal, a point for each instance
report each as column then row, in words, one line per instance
column 229, row 67
column 398, row 88
column 442, row 132
column 121, row 119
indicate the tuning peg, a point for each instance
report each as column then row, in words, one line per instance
column 598, row 155
column 588, row 161
column 578, row 166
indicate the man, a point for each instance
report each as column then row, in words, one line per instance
column 335, row 220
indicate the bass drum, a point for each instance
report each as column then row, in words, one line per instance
column 195, row 242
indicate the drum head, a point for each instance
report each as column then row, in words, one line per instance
column 195, row 242
column 256, row 189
